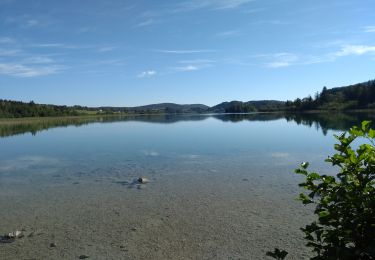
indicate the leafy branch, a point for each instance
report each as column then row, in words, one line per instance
column 344, row 203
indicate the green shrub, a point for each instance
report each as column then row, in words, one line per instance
column 345, row 203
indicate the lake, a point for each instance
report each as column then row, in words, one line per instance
column 220, row 186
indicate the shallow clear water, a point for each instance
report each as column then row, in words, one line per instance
column 221, row 187
column 148, row 142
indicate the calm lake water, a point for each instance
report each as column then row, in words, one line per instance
column 221, row 186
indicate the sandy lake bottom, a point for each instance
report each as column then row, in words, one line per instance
column 206, row 211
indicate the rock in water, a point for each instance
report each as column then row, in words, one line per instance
column 10, row 237
column 143, row 180
column 15, row 234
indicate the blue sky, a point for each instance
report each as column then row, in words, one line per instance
column 126, row 53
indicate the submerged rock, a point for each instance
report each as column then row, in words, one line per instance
column 11, row 237
column 16, row 234
column 143, row 180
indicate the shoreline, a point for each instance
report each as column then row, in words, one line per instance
column 5, row 120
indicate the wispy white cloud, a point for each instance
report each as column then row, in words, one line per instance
column 197, row 61
column 48, row 45
column 147, row 74
column 330, row 44
column 24, row 21
column 37, row 60
column 54, row 45
column 193, row 65
column 6, row 40
column 185, row 51
column 228, row 4
column 241, row 61
column 186, row 68
column 348, row 50
column 113, row 62
column 253, row 10
column 369, row 29
column 27, row 71
column 32, row 59
column 278, row 64
column 147, row 22
column 25, row 61
column 270, row 22
column 86, row 29
column 9, row 52
column 228, row 34
column 58, row 45
column 31, row 23
column 106, row 49
column 279, row 60
column 67, row 46
column 157, row 15
column 285, row 59
column 192, row 5
column 314, row 59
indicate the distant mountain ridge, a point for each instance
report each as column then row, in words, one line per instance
column 158, row 108
column 172, row 107
column 225, row 107
column 358, row 96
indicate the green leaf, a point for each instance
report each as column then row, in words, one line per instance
column 365, row 125
column 299, row 171
column 328, row 179
column 304, row 165
column 314, row 176
column 356, row 132
column 305, row 200
column 371, row 133
column 323, row 214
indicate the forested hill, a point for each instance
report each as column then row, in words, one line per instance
column 250, row 106
column 11, row 109
column 17, row 109
column 170, row 108
column 358, row 96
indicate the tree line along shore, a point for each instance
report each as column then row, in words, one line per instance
column 359, row 96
